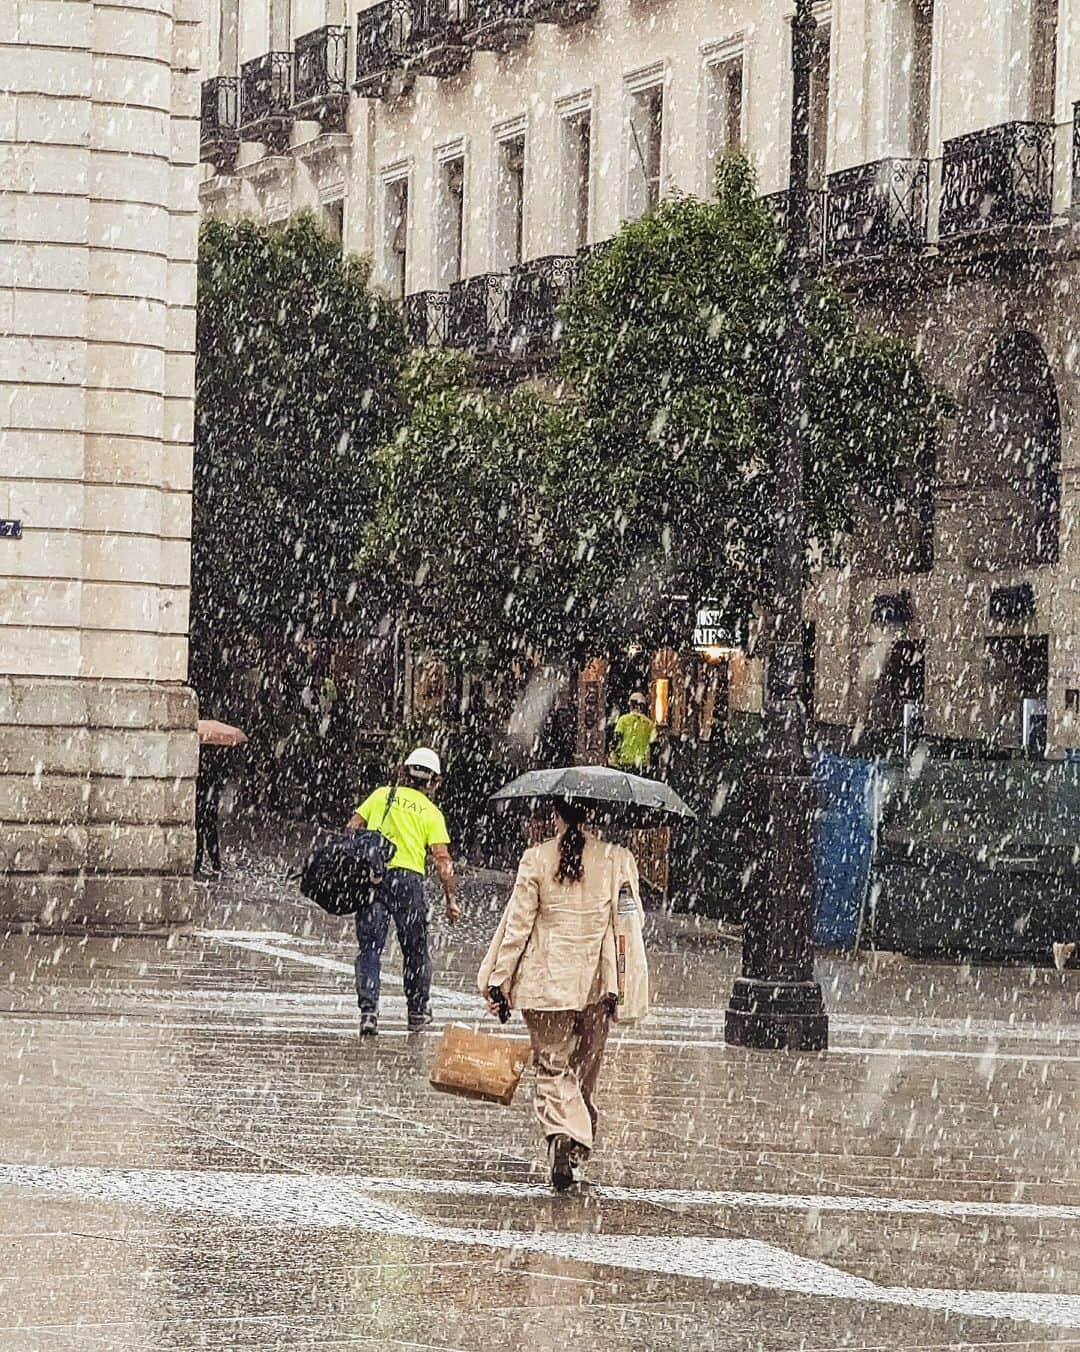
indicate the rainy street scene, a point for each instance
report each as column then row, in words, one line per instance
column 540, row 674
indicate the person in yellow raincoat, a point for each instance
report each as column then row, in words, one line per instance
column 635, row 732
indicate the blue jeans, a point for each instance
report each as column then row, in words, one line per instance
column 400, row 896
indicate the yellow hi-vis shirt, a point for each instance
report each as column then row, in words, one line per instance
column 633, row 739
column 412, row 825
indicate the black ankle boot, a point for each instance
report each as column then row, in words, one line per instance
column 561, row 1152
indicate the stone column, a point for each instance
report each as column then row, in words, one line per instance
column 98, row 151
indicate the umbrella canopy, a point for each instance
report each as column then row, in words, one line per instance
column 597, row 784
column 213, row 733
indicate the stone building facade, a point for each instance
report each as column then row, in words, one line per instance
column 475, row 148
column 98, row 233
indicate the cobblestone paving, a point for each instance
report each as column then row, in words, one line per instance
column 198, row 1151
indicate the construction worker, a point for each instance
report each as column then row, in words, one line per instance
column 405, row 814
column 635, row 733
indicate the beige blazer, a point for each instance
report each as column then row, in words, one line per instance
column 565, row 945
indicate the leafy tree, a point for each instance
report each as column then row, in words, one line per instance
column 603, row 518
column 460, row 530
column 297, row 370
column 673, row 350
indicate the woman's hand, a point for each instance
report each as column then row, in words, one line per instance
column 497, row 1003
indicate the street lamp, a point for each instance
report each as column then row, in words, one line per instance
column 776, row 1003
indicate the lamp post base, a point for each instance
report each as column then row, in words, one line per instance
column 777, row 1016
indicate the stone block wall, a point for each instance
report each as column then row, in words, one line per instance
column 97, row 793
column 98, row 236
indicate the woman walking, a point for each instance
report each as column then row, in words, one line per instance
column 569, row 954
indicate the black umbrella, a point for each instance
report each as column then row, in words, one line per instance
column 597, row 784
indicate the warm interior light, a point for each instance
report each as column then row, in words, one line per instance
column 715, row 654
column 661, row 700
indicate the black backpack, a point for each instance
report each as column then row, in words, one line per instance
column 342, row 875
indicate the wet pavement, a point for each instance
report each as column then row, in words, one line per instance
column 198, row 1151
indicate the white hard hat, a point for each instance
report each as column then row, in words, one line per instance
column 423, row 758
column 638, row 698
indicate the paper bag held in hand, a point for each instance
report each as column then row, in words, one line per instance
column 479, row 1065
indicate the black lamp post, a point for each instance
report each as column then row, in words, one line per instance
column 776, row 1003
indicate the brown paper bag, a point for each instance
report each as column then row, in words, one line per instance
column 479, row 1065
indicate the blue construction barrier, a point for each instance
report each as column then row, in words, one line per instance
column 845, row 846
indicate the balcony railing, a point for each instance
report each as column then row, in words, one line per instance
column 537, row 291
column 497, row 25
column 876, row 210
column 266, row 100
column 382, row 35
column 425, row 314
column 777, row 202
column 320, row 88
column 564, row 12
column 436, row 40
column 219, row 135
column 588, row 252
column 397, row 39
column 500, row 315
column 1002, row 176
column 478, row 312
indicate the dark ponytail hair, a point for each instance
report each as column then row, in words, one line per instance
column 572, row 845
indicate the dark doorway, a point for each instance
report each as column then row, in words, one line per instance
column 902, row 681
column 627, row 672
column 1017, row 669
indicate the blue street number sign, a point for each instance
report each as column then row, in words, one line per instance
column 10, row 530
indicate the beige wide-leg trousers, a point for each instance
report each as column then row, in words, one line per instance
column 568, row 1046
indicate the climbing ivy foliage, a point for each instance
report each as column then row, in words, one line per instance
column 643, row 482
column 297, row 382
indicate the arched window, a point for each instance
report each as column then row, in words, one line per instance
column 1009, row 458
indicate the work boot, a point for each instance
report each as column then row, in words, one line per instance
column 369, row 1024
column 561, row 1153
column 418, row 1022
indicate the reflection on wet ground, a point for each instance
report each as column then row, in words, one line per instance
column 198, row 1151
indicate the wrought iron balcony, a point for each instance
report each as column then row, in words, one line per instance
column 382, row 35
column 500, row 315
column 320, row 88
column 219, row 135
column 266, row 100
column 564, row 12
column 425, row 314
column 477, row 313
column 436, row 43
column 777, row 202
column 497, row 25
column 876, row 210
column 588, row 252
column 537, row 291
column 999, row 177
